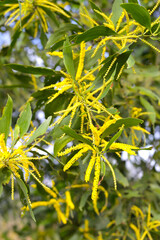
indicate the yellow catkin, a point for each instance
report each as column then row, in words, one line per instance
column 125, row 147
column 111, row 25
column 73, row 148
column 96, row 138
column 69, row 200
column 149, row 44
column 155, row 7
column 81, row 60
column 119, row 21
column 90, row 167
column 96, row 179
column 12, row 187
column 106, row 125
column 75, row 158
column 93, row 22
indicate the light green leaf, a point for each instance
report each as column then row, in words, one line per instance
column 74, row 135
column 61, row 143
column 68, row 58
column 139, row 13
column 25, row 192
column 116, row 11
column 6, row 119
column 84, row 199
column 41, row 130
column 24, row 120
column 150, row 109
column 128, row 122
column 30, row 69
column 121, row 178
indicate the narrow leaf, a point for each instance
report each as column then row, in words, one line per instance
column 24, row 120
column 115, row 137
column 128, row 122
column 139, row 13
column 93, row 33
column 30, row 69
column 41, row 130
column 68, row 58
column 61, row 143
column 70, row 132
column 116, row 11
column 6, row 119
column 25, row 192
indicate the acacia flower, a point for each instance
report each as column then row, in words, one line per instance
column 98, row 155
column 35, row 10
column 17, row 158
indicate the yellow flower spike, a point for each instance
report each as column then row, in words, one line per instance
column 75, row 158
column 35, row 8
column 96, row 178
column 149, row 44
column 90, row 167
column 69, row 200
column 136, row 230
column 100, row 237
column 81, row 60
column 12, row 187
column 120, row 21
column 73, row 148
column 96, row 138
column 111, row 25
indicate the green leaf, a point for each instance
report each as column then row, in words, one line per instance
column 146, row 92
column 94, row 7
column 139, row 13
column 6, row 119
column 41, row 130
column 128, row 122
column 116, row 11
column 150, row 109
column 121, row 178
column 25, row 192
column 115, row 137
column 93, row 33
column 61, row 143
column 84, row 199
column 30, row 69
column 24, row 120
column 121, row 60
column 68, row 58
column 99, row 78
column 74, row 135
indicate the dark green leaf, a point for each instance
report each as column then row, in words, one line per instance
column 93, row 33
column 61, row 143
column 84, row 199
column 139, row 13
column 68, row 58
column 94, row 7
column 128, row 122
column 115, row 137
column 70, row 132
column 30, row 69
column 41, row 130
column 6, row 119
